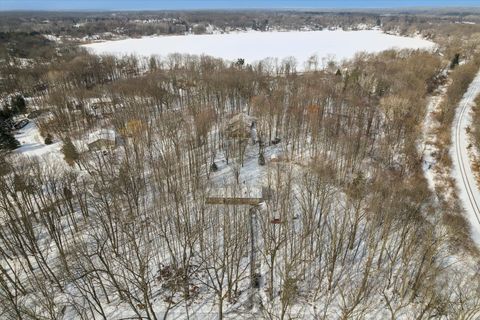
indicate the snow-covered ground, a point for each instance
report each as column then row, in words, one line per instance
column 462, row 169
column 32, row 144
column 255, row 46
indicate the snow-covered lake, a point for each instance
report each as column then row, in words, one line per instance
column 255, row 46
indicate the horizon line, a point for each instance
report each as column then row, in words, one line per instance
column 420, row 7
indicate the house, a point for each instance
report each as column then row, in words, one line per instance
column 240, row 126
column 102, row 139
column 250, row 195
column 99, row 107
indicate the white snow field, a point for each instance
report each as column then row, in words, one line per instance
column 255, row 46
column 32, row 144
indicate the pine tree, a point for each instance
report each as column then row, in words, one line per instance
column 213, row 167
column 261, row 159
column 70, row 152
column 7, row 140
column 455, row 61
column 18, row 104
column 240, row 62
column 48, row 139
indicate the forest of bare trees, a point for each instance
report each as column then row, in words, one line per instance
column 349, row 230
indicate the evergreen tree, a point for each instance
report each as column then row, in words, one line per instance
column 7, row 140
column 213, row 167
column 48, row 139
column 240, row 62
column 5, row 112
column 261, row 159
column 18, row 104
column 455, row 61
column 70, row 152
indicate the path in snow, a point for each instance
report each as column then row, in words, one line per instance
column 462, row 170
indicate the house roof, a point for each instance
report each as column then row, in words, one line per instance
column 103, row 134
column 239, row 125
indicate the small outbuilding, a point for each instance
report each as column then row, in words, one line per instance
column 240, row 126
column 102, row 139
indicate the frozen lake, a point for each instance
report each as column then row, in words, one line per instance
column 254, row 46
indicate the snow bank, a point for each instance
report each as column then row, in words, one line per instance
column 255, row 46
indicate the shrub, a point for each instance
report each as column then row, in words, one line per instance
column 18, row 104
column 48, row 139
column 7, row 140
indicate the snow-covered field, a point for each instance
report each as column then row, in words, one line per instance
column 255, row 46
column 32, row 144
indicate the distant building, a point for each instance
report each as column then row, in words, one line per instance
column 99, row 107
column 102, row 139
column 240, row 195
column 240, row 126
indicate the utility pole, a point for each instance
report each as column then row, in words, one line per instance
column 255, row 276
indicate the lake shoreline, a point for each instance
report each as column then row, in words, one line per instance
column 255, row 46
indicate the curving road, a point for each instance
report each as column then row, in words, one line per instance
column 466, row 182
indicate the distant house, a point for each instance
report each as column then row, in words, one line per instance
column 99, row 107
column 240, row 195
column 102, row 139
column 240, row 126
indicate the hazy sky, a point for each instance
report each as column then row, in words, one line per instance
column 221, row 4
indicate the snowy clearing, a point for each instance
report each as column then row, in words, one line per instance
column 32, row 144
column 462, row 170
column 255, row 46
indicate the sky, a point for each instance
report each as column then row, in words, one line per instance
column 223, row 4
